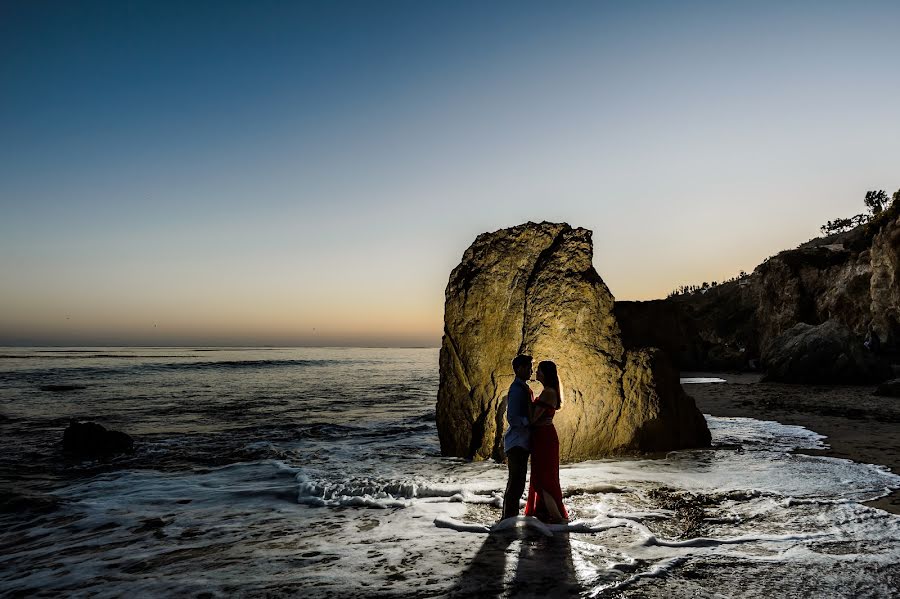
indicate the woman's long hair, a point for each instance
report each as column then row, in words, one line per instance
column 551, row 379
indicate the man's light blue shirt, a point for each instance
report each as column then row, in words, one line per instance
column 517, row 402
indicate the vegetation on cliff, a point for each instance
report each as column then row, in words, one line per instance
column 880, row 209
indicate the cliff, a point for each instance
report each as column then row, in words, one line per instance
column 851, row 280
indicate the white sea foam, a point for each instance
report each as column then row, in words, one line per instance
column 640, row 516
column 588, row 489
column 712, row 542
column 763, row 435
column 657, row 570
column 380, row 493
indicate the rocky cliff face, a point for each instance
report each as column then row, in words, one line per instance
column 852, row 279
column 711, row 331
column 532, row 289
column 884, row 283
column 825, row 353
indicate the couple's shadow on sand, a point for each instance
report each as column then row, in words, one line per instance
column 542, row 566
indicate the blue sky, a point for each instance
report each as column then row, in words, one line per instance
column 294, row 173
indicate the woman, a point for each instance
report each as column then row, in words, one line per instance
column 544, row 493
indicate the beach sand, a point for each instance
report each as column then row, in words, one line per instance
column 860, row 426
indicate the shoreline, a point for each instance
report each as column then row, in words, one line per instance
column 859, row 426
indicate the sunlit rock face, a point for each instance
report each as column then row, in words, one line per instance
column 533, row 289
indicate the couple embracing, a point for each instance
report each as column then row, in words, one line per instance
column 531, row 431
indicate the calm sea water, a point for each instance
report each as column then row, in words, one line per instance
column 317, row 472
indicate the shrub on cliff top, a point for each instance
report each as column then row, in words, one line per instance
column 881, row 208
column 876, row 201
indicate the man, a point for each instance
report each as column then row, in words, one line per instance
column 872, row 342
column 516, row 443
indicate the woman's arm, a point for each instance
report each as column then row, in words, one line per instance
column 547, row 399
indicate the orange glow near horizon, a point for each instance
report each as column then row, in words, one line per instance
column 213, row 311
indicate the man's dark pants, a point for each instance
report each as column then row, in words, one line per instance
column 517, row 462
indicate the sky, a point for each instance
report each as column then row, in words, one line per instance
column 309, row 173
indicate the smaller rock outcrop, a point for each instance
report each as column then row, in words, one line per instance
column 827, row 353
column 889, row 388
column 89, row 439
column 654, row 399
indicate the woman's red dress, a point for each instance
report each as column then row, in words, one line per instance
column 544, row 468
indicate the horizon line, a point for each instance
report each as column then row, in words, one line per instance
column 226, row 346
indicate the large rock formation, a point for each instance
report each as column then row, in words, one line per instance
column 532, row 289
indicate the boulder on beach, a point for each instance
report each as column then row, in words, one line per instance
column 827, row 353
column 532, row 289
column 889, row 388
column 92, row 439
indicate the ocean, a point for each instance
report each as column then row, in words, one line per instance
column 316, row 472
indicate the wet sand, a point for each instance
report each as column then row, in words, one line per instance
column 860, row 426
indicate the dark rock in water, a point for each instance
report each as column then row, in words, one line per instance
column 827, row 353
column 889, row 388
column 61, row 388
column 151, row 524
column 92, row 439
column 14, row 502
column 533, row 289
